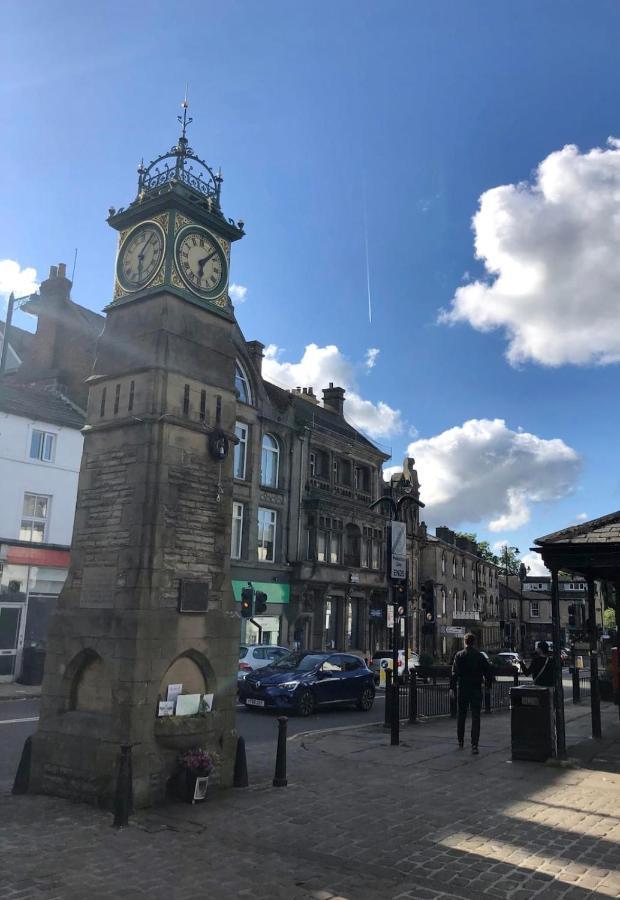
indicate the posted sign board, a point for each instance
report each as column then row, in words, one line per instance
column 454, row 630
column 398, row 551
column 390, row 616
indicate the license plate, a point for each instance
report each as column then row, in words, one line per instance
column 250, row 702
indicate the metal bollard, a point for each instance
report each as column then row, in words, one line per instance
column 576, row 686
column 395, row 714
column 279, row 779
column 388, row 699
column 240, row 777
column 413, row 698
column 123, row 797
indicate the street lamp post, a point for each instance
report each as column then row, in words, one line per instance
column 507, row 550
column 523, row 570
column 14, row 302
column 397, row 575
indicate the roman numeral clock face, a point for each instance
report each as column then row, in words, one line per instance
column 201, row 262
column 140, row 256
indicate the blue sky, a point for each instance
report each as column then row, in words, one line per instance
column 413, row 111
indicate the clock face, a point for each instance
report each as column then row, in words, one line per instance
column 201, row 261
column 140, row 256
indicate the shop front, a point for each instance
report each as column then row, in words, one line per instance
column 31, row 579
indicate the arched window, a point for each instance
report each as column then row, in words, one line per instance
column 464, row 599
column 269, row 461
column 443, row 563
column 462, row 568
column 455, row 601
column 454, row 566
column 473, row 572
column 242, row 384
column 443, row 602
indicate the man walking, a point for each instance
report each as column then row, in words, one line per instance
column 469, row 669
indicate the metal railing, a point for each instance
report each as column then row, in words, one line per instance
column 426, row 693
column 581, row 685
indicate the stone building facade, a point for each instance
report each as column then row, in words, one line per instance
column 466, row 593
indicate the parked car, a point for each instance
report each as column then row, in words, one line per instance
column 257, row 656
column 301, row 681
column 508, row 658
column 379, row 655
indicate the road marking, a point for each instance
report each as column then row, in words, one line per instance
column 15, row 721
column 301, row 734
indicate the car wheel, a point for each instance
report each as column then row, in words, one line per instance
column 305, row 703
column 366, row 700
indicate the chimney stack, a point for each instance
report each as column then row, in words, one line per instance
column 333, row 399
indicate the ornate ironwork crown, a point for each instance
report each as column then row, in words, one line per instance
column 181, row 165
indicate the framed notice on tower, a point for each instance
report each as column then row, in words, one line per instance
column 398, row 551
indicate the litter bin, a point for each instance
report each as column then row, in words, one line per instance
column 33, row 662
column 531, row 720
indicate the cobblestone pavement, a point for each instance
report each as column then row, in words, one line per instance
column 359, row 820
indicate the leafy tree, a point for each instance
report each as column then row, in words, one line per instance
column 609, row 618
column 487, row 554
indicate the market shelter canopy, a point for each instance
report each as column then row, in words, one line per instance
column 590, row 549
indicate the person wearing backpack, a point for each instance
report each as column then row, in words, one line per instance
column 541, row 666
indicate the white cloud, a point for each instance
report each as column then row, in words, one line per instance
column 237, row 292
column 17, row 280
column 550, row 249
column 535, row 564
column 321, row 365
column 581, row 517
column 482, row 471
column 371, row 357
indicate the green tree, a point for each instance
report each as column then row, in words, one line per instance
column 609, row 618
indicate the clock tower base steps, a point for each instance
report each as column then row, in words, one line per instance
column 152, row 523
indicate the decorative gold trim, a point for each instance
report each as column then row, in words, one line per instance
column 159, row 278
column 180, row 222
column 175, row 278
column 118, row 290
column 222, row 301
column 163, row 219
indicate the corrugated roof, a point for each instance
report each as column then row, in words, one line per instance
column 40, row 405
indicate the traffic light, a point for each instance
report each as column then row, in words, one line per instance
column 428, row 602
column 260, row 603
column 247, row 603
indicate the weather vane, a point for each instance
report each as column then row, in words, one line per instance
column 184, row 120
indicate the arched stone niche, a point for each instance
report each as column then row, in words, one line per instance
column 90, row 689
column 193, row 671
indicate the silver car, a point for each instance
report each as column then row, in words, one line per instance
column 256, row 656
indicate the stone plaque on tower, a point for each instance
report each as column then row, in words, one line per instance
column 148, row 604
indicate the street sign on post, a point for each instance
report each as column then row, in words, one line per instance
column 398, row 551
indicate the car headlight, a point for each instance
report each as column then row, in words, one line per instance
column 289, row 685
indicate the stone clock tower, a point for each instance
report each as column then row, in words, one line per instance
column 148, row 600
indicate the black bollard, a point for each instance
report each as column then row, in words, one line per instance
column 387, row 715
column 279, row 779
column 123, row 797
column 240, row 777
column 22, row 776
column 413, row 698
column 395, row 714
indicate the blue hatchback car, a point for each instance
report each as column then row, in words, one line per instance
column 301, row 681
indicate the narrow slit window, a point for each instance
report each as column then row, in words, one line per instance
column 218, row 409
column 131, row 393
column 102, row 407
column 186, row 400
column 117, row 399
column 203, row 405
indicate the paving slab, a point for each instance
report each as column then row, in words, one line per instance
column 359, row 820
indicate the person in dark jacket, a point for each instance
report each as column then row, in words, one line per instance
column 541, row 668
column 469, row 669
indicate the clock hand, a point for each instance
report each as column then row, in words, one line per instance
column 144, row 246
column 202, row 262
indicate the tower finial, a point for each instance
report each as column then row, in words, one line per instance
column 184, row 120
